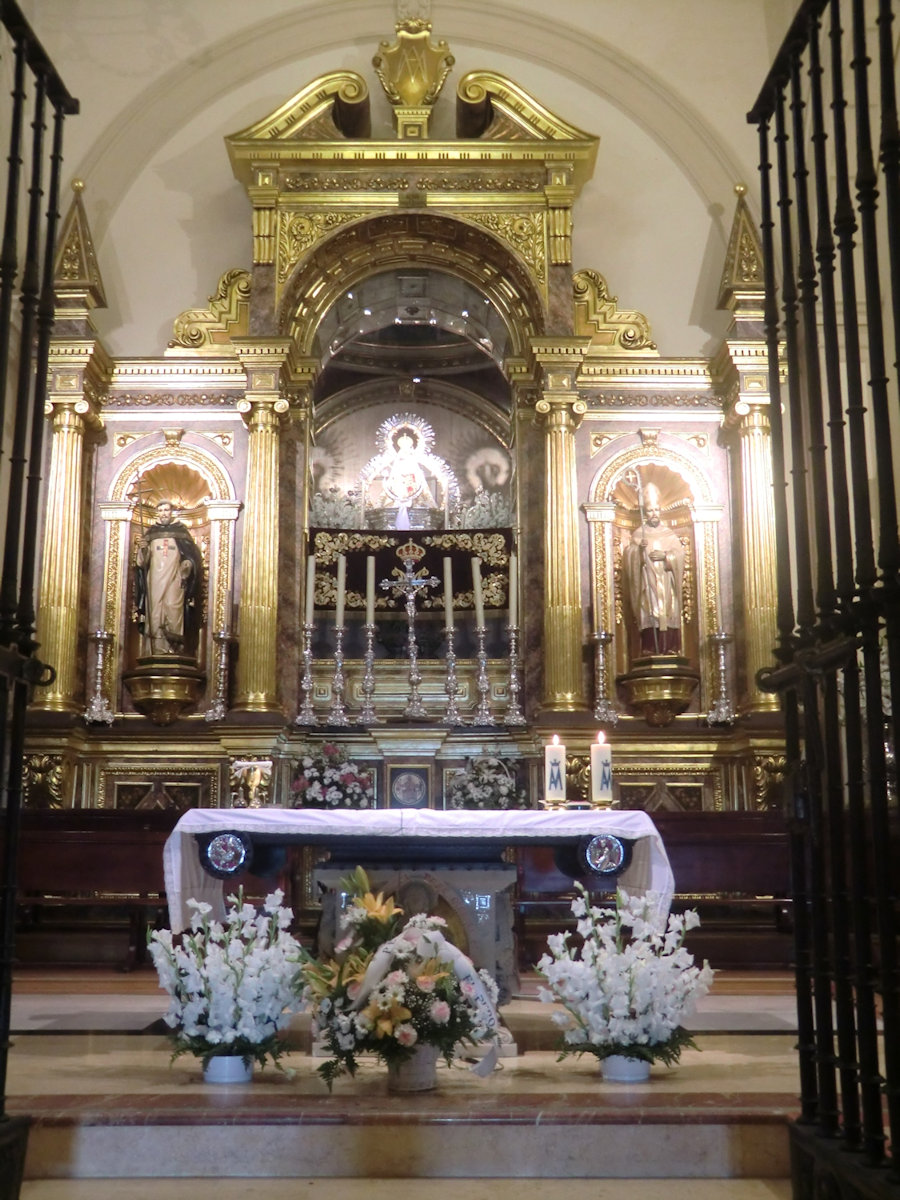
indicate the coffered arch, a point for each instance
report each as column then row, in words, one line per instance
column 411, row 240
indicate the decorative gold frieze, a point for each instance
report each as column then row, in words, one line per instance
column 168, row 399
column 517, row 181
column 596, row 316
column 298, row 232
column 355, row 181
column 522, row 232
column 209, row 330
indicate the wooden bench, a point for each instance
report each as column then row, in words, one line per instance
column 733, row 868
column 90, row 883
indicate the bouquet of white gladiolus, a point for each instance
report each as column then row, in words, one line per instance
column 230, row 983
column 627, row 982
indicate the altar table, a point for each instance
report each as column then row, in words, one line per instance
column 408, row 835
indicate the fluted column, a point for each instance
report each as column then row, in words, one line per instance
column 262, row 408
column 757, row 545
column 60, row 585
column 562, row 411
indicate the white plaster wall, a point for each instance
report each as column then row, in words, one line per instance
column 665, row 84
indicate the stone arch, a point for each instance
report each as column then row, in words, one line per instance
column 411, row 239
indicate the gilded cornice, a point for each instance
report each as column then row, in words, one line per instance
column 209, row 330
column 611, row 330
column 482, row 96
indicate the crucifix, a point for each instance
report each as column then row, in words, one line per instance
column 410, row 585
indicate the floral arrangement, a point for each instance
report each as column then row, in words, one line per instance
column 326, row 778
column 628, row 983
column 231, row 983
column 393, row 986
column 487, row 782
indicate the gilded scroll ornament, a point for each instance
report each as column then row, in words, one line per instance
column 43, row 781
column 228, row 313
column 611, row 330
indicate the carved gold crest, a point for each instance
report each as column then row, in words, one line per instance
column 413, row 70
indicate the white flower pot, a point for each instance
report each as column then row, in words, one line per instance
column 416, row 1074
column 228, row 1068
column 618, row 1068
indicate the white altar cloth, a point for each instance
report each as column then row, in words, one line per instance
column 648, row 871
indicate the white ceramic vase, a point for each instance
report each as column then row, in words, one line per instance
column 618, row 1068
column 228, row 1068
column 416, row 1074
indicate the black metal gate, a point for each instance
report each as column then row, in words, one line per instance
column 830, row 182
column 40, row 104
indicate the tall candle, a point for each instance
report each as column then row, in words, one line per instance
column 601, row 772
column 477, row 593
column 448, row 595
column 341, row 588
column 554, row 772
column 513, row 590
column 370, row 589
column 310, row 587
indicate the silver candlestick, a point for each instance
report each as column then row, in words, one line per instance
column 337, row 714
column 367, row 712
column 721, row 712
column 604, row 710
column 306, row 716
column 98, row 709
column 451, row 685
column 217, row 710
column 514, row 714
column 483, row 714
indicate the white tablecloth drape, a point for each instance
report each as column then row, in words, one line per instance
column 648, row 871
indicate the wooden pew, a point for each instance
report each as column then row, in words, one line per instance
column 90, row 882
column 733, row 868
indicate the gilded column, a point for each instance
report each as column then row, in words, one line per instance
column 61, row 563
column 757, row 545
column 263, row 408
column 562, row 411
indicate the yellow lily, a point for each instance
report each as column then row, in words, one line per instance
column 384, row 1022
column 426, row 974
column 378, row 907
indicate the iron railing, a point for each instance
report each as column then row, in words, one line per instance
column 40, row 104
column 830, row 195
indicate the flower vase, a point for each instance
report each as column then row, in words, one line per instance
column 228, row 1068
column 618, row 1068
column 415, row 1074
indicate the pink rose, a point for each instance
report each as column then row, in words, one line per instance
column 406, row 1035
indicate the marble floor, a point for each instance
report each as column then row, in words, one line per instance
column 112, row 1118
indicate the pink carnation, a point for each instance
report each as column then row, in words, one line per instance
column 440, row 1012
column 406, row 1035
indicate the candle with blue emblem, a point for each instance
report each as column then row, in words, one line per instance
column 601, row 772
column 554, row 773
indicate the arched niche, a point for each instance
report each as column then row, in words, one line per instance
column 687, row 506
column 204, row 495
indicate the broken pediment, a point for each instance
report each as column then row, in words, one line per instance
column 332, row 107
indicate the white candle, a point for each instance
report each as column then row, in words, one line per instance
column 448, row 595
column 513, row 590
column 370, row 589
column 310, row 587
column 341, row 588
column 554, row 772
column 477, row 593
column 601, row 772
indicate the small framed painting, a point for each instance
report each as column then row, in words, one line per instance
column 409, row 785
